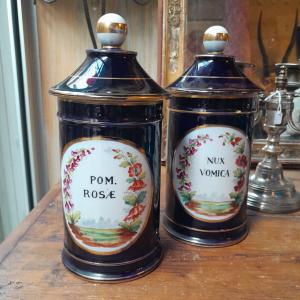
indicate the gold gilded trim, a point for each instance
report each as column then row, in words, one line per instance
column 220, row 36
column 112, row 28
column 191, row 240
column 151, row 190
column 212, row 77
column 205, row 230
column 174, row 11
column 114, row 99
column 108, row 278
column 238, row 112
column 107, row 123
column 221, row 94
column 115, row 78
column 92, row 263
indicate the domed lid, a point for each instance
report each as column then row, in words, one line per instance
column 213, row 73
column 110, row 74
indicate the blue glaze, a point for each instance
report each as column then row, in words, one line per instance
column 93, row 102
column 213, row 91
column 109, row 73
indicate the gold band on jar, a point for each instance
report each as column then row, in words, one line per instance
column 220, row 36
column 111, row 28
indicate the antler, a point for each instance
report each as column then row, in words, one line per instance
column 265, row 59
column 292, row 40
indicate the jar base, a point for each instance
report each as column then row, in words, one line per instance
column 204, row 238
column 114, row 272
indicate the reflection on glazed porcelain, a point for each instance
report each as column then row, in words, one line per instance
column 88, row 78
column 206, row 74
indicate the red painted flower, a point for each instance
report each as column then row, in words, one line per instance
column 135, row 170
column 134, row 213
column 241, row 161
column 236, row 141
column 137, row 185
column 240, row 184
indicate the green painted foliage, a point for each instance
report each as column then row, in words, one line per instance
column 130, row 180
column 130, row 199
column 141, row 196
column 124, row 164
column 73, row 217
column 133, row 159
column 187, row 196
column 133, row 226
column 238, row 173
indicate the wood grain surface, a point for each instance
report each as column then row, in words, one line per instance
column 264, row 266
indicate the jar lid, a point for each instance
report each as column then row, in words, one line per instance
column 214, row 73
column 110, row 74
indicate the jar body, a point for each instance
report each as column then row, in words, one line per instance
column 110, row 176
column 208, row 168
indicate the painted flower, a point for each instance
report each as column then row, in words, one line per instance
column 135, row 170
column 188, row 150
column 134, row 213
column 91, row 80
column 69, row 206
column 191, row 151
column 183, row 160
column 137, row 185
column 187, row 186
column 241, row 161
column 235, row 141
column 240, row 184
column 67, row 180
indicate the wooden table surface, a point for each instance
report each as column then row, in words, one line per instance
column 264, row 266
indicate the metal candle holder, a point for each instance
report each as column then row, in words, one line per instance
column 269, row 191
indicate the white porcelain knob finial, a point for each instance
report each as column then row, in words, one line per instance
column 215, row 39
column 111, row 30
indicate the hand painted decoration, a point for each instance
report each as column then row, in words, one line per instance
column 190, row 163
column 215, row 39
column 210, row 124
column 110, row 115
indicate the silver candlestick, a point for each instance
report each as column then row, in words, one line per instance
column 269, row 191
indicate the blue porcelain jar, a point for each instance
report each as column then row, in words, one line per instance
column 210, row 119
column 110, row 114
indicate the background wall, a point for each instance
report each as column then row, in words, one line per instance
column 241, row 20
column 277, row 26
column 63, row 39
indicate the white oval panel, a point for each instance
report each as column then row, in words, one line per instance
column 107, row 193
column 210, row 172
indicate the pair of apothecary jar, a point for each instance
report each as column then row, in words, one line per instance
column 110, row 114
